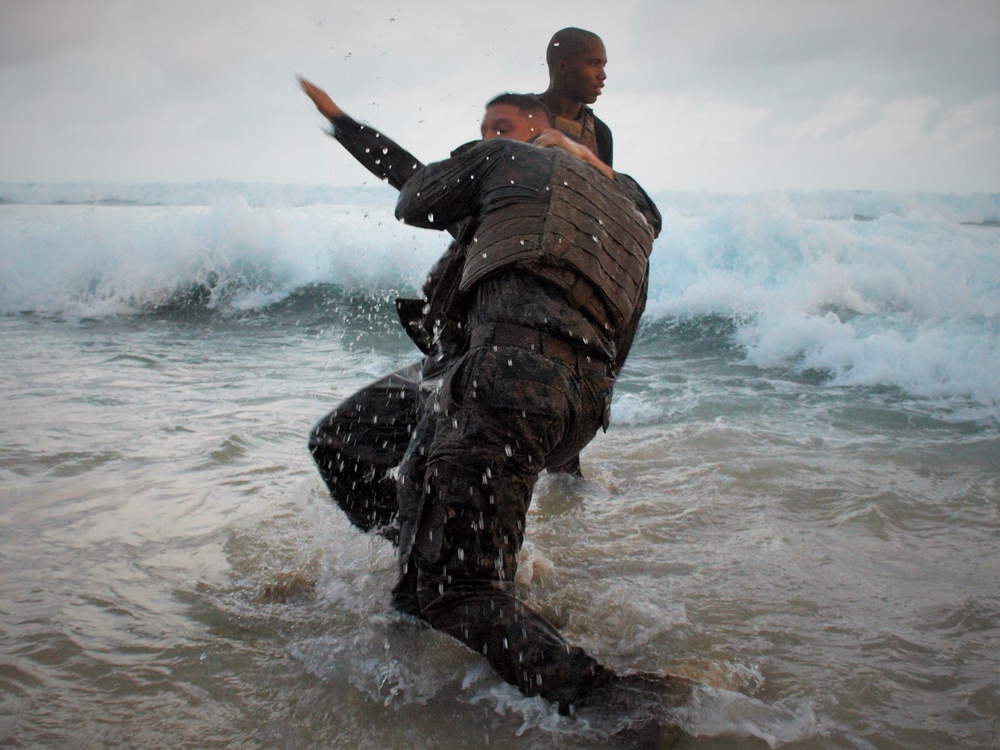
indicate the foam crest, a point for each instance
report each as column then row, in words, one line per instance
column 718, row 713
column 107, row 260
column 906, row 302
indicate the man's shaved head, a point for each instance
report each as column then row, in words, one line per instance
column 569, row 43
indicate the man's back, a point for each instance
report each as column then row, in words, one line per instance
column 547, row 212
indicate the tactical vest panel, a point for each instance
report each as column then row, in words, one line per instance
column 589, row 240
column 504, row 237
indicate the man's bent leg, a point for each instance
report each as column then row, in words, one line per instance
column 359, row 442
column 465, row 559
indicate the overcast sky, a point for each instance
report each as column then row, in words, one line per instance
column 717, row 95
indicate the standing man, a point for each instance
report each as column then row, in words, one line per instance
column 551, row 291
column 576, row 60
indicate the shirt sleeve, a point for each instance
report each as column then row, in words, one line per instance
column 448, row 191
column 377, row 153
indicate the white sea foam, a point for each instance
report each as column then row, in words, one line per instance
column 907, row 302
column 716, row 712
column 103, row 260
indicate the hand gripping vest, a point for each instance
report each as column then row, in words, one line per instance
column 561, row 220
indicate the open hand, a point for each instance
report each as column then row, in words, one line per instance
column 327, row 107
column 555, row 137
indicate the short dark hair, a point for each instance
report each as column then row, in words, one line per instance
column 526, row 104
column 567, row 42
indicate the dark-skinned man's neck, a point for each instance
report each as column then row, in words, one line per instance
column 561, row 106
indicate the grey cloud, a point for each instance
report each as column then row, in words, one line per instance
column 765, row 51
column 32, row 30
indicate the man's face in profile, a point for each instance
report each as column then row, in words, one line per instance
column 584, row 72
column 507, row 121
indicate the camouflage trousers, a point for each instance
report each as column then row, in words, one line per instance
column 502, row 415
column 357, row 444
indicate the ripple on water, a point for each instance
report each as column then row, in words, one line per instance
column 60, row 464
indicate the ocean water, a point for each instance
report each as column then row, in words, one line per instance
column 798, row 501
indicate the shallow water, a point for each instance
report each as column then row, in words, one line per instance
column 823, row 556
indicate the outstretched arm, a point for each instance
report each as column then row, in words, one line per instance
column 377, row 153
